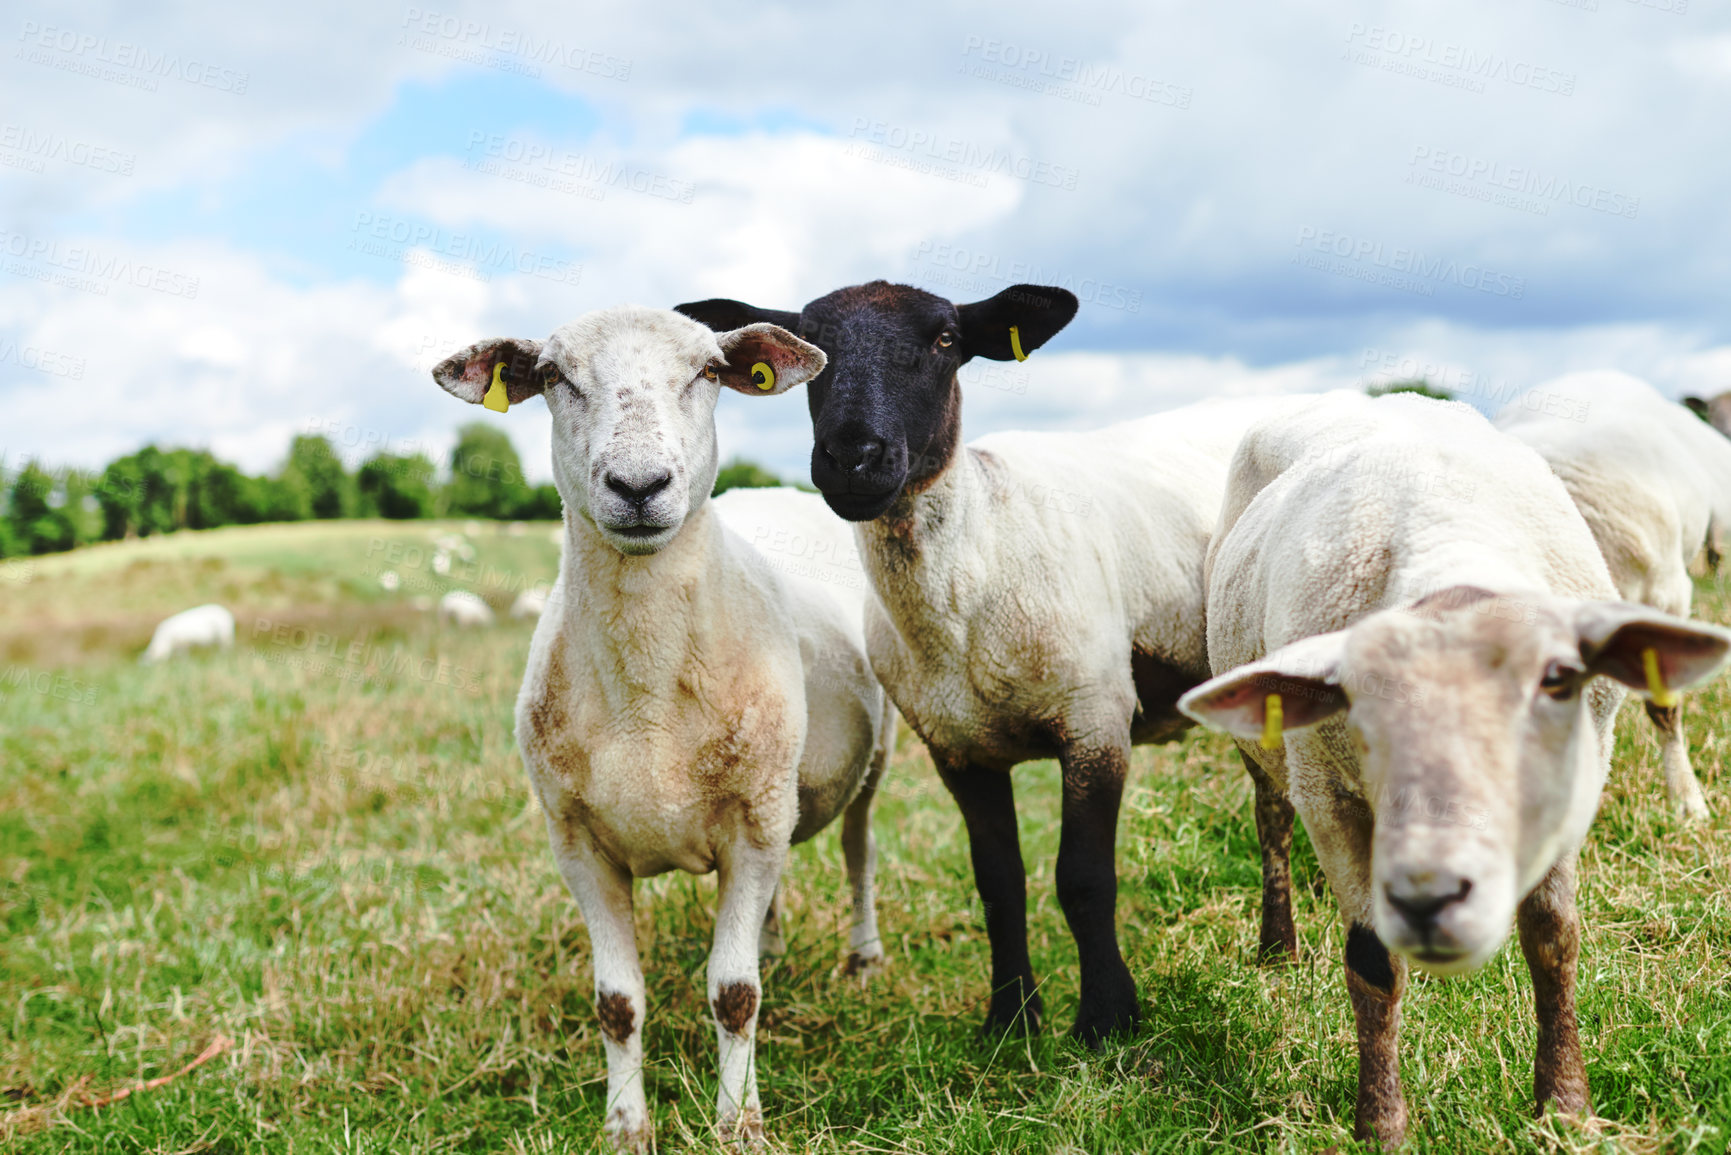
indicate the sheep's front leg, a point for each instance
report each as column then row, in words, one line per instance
column 865, row 947
column 987, row 800
column 1274, row 836
column 1684, row 790
column 1550, row 929
column 1088, row 890
column 1341, row 828
column 749, row 877
column 603, row 894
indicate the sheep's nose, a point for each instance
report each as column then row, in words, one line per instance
column 1426, row 896
column 637, row 492
column 853, row 456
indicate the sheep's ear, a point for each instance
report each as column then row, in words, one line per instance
column 1304, row 675
column 468, row 374
column 722, row 314
column 763, row 360
column 1035, row 312
column 1652, row 653
column 1698, row 407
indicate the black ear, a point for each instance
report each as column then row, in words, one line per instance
column 724, row 315
column 1698, row 407
column 1036, row 312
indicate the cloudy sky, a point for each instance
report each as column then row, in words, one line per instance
column 220, row 230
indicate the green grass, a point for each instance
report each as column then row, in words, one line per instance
column 333, row 861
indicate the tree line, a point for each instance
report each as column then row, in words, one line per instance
column 157, row 491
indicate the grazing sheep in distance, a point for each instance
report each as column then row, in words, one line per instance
column 1419, row 641
column 463, row 609
column 210, row 625
column 1654, row 484
column 1040, row 595
column 531, row 603
column 685, row 706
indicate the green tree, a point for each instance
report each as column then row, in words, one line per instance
column 36, row 515
column 742, row 474
column 486, row 474
column 1418, row 385
column 395, row 486
column 316, row 474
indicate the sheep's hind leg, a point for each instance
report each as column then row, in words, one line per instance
column 603, row 894
column 987, row 801
column 1681, row 785
column 865, row 947
column 1088, row 890
column 749, row 877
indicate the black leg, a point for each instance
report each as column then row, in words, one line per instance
column 1088, row 891
column 988, row 804
column 1274, row 835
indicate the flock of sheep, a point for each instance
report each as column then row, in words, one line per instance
column 1417, row 624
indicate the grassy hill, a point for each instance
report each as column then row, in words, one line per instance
column 320, row 847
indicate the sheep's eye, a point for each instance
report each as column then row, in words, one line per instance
column 711, row 371
column 946, row 338
column 1561, row 679
column 549, row 375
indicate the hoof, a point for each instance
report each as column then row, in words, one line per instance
column 636, row 1137
column 1691, row 807
column 862, row 965
column 1014, row 1015
column 743, row 1131
column 1095, row 1025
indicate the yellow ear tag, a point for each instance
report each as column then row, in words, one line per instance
column 1273, row 722
column 1662, row 695
column 763, row 376
column 1016, row 344
column 496, row 399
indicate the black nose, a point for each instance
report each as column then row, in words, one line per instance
column 854, row 456
column 1422, row 907
column 638, row 492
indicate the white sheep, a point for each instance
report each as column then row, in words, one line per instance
column 1039, row 595
column 464, row 610
column 1654, row 484
column 1417, row 638
column 531, row 603
column 188, row 630
column 685, row 705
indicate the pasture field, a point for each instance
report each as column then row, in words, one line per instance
column 320, row 847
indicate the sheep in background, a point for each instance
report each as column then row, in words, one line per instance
column 1654, row 484
column 210, row 625
column 1417, row 639
column 531, row 603
column 463, row 609
column 685, row 706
